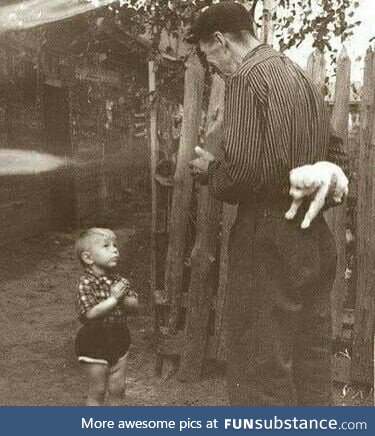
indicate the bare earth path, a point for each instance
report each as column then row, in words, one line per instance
column 38, row 326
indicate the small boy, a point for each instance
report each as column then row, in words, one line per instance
column 103, row 341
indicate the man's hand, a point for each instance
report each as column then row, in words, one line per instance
column 199, row 166
column 321, row 181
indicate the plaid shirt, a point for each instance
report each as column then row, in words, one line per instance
column 92, row 290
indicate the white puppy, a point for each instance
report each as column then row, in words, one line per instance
column 319, row 181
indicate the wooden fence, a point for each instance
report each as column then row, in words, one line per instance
column 191, row 298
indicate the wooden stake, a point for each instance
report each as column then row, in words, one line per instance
column 362, row 369
column 154, row 151
column 266, row 35
column 183, row 183
column 336, row 217
column 220, row 343
column 204, row 251
column 316, row 68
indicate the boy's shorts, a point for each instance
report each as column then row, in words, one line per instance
column 98, row 344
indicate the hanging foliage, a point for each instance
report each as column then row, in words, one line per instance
column 138, row 24
column 322, row 19
column 127, row 31
column 294, row 19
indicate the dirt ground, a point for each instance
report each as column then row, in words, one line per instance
column 38, row 323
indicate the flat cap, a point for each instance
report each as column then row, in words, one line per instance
column 220, row 17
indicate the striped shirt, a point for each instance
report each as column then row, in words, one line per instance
column 275, row 119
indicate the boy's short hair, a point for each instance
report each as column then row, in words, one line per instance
column 86, row 238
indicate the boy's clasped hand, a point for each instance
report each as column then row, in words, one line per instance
column 121, row 290
column 118, row 289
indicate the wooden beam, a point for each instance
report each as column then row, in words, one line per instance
column 316, row 69
column 336, row 217
column 154, row 153
column 362, row 368
column 266, row 35
column 204, row 250
column 193, row 94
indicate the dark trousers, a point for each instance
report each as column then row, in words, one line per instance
column 278, row 310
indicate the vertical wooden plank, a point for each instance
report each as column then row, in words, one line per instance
column 362, row 368
column 340, row 113
column 336, row 217
column 153, row 161
column 266, row 34
column 193, row 93
column 154, row 152
column 220, row 344
column 204, row 251
column 316, row 68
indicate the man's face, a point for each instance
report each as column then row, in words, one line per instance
column 218, row 58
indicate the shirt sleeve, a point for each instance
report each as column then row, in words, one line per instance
column 235, row 172
column 85, row 297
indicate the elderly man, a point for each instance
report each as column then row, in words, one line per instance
column 281, row 271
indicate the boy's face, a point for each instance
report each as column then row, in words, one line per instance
column 102, row 251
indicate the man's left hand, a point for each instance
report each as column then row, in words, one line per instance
column 199, row 166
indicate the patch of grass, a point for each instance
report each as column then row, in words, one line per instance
column 354, row 395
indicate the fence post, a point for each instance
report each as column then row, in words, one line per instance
column 220, row 343
column 199, row 304
column 266, row 34
column 183, row 183
column 153, row 161
column 316, row 69
column 362, row 364
column 336, row 217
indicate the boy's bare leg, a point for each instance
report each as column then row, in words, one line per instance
column 116, row 383
column 96, row 374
